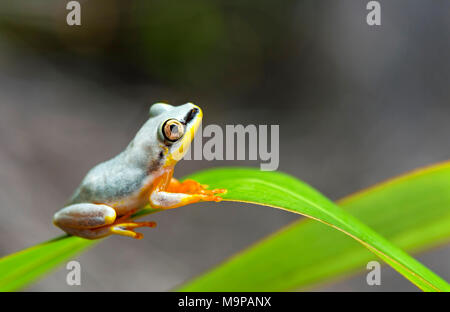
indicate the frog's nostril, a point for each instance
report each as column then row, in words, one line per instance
column 192, row 113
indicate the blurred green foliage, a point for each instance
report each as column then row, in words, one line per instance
column 199, row 43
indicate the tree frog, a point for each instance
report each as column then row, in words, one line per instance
column 141, row 175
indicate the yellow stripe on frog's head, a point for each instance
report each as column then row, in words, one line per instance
column 178, row 150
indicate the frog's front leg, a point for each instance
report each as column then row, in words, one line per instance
column 179, row 194
column 93, row 221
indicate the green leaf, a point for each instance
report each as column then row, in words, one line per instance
column 23, row 267
column 266, row 188
column 413, row 211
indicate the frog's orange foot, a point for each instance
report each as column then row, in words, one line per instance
column 219, row 191
column 186, row 187
column 209, row 195
column 205, row 194
column 127, row 228
column 194, row 188
column 179, row 194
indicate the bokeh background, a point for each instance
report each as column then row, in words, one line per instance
column 355, row 105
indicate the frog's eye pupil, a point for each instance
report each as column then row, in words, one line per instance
column 173, row 130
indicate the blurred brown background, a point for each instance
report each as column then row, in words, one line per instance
column 355, row 105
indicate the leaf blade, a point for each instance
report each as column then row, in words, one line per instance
column 56, row 251
column 18, row 269
column 244, row 190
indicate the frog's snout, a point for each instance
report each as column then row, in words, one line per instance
column 191, row 115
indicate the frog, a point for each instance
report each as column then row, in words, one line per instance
column 140, row 176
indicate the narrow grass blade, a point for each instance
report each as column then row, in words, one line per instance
column 412, row 211
column 19, row 269
column 275, row 189
column 276, row 263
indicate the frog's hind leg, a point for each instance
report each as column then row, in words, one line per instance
column 124, row 225
column 126, row 229
column 93, row 221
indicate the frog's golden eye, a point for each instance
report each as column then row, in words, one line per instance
column 173, row 130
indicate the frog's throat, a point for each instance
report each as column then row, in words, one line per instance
column 186, row 141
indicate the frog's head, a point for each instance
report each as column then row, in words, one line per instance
column 165, row 138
